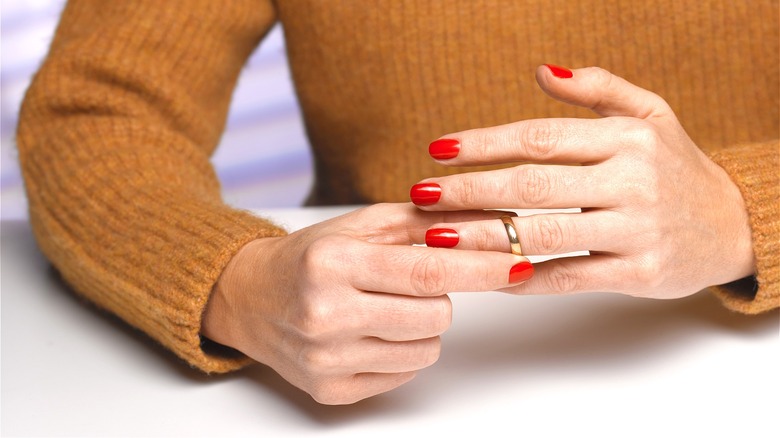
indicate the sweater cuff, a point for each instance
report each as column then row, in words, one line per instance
column 141, row 234
column 754, row 169
column 164, row 296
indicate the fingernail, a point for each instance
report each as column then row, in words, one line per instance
column 425, row 193
column 444, row 149
column 441, row 238
column 559, row 72
column 521, row 272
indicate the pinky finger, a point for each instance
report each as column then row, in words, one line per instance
column 571, row 275
column 352, row 389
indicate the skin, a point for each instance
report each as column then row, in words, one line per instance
column 659, row 218
column 348, row 308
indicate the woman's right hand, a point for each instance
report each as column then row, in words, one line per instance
column 349, row 308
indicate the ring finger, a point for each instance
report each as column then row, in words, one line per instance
column 540, row 234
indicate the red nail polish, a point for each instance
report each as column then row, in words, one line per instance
column 521, row 272
column 441, row 238
column 425, row 193
column 559, row 72
column 444, row 149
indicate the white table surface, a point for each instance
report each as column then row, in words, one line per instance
column 589, row 365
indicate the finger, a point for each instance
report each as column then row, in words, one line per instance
column 572, row 275
column 524, row 186
column 427, row 272
column 392, row 317
column 543, row 234
column 374, row 355
column 342, row 391
column 601, row 91
column 552, row 141
column 405, row 224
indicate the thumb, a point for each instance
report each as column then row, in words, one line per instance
column 601, row 91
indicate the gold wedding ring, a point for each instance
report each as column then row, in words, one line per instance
column 511, row 232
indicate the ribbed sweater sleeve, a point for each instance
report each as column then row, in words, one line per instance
column 115, row 138
column 755, row 168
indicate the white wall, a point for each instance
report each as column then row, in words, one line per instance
column 263, row 160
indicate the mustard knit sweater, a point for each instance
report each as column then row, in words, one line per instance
column 119, row 124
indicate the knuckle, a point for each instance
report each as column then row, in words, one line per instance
column 603, row 77
column 429, row 276
column 327, row 392
column 432, row 352
column 325, row 252
column 317, row 361
column 602, row 80
column 378, row 214
column 534, row 184
column 442, row 319
column 482, row 238
column 642, row 135
column 648, row 271
column 548, row 234
column 467, row 190
column 646, row 192
column 383, row 217
column 565, row 279
column 313, row 318
column 540, row 138
column 642, row 142
column 483, row 141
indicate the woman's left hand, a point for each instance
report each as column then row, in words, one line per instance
column 659, row 218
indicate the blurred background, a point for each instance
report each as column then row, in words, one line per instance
column 263, row 160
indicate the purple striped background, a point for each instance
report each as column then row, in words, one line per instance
column 263, row 160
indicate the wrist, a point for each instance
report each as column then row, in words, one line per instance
column 738, row 222
column 221, row 321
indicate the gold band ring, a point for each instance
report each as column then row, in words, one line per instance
column 511, row 232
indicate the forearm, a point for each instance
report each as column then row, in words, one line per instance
column 115, row 136
column 139, row 246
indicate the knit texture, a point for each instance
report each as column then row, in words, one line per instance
column 119, row 124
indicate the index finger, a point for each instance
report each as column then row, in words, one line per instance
column 425, row 272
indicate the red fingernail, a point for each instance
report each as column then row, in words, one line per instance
column 521, row 272
column 444, row 149
column 425, row 193
column 559, row 72
column 441, row 238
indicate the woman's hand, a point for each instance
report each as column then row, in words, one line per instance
column 659, row 218
column 348, row 308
